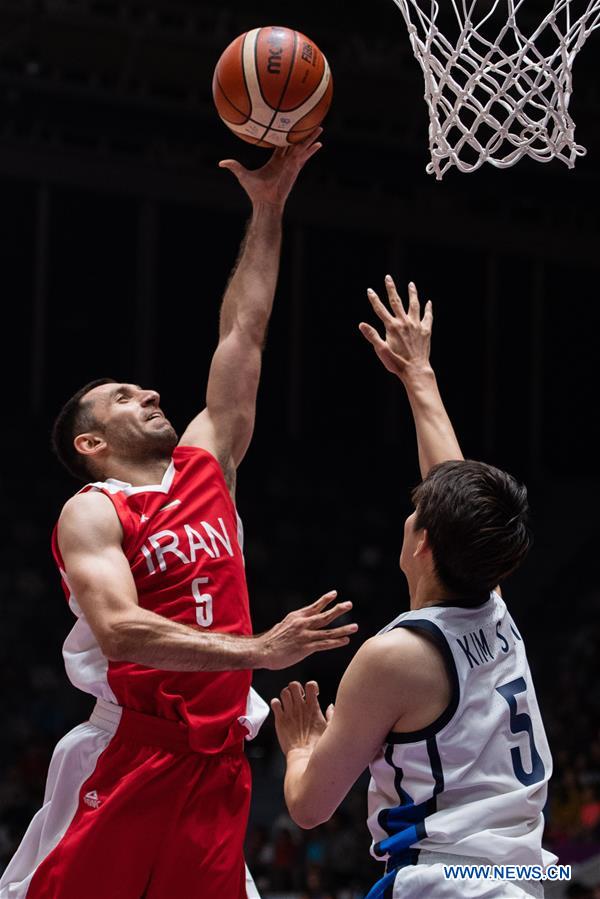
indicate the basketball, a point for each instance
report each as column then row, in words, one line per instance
column 272, row 86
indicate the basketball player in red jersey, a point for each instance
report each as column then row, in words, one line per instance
column 150, row 797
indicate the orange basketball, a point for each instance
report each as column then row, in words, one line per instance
column 272, row 86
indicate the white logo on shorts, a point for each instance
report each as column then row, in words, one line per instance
column 92, row 800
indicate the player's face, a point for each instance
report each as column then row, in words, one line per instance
column 131, row 419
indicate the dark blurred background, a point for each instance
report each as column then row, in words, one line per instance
column 117, row 235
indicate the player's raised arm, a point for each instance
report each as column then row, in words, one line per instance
column 225, row 426
column 99, row 575
column 404, row 351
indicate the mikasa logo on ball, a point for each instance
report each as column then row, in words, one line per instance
column 274, row 62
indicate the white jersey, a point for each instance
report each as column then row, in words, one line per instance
column 474, row 782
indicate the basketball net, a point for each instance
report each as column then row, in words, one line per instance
column 496, row 91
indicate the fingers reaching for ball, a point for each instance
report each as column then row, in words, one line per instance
column 271, row 184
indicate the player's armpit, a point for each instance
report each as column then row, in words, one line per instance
column 98, row 573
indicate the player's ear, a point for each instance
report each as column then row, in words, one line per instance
column 89, row 444
column 423, row 545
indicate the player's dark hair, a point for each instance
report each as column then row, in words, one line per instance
column 477, row 523
column 75, row 417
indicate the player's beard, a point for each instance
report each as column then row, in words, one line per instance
column 160, row 444
column 150, row 445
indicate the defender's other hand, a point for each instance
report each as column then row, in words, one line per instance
column 299, row 721
column 303, row 632
column 271, row 184
column 407, row 336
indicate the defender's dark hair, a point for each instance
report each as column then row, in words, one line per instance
column 75, row 418
column 477, row 521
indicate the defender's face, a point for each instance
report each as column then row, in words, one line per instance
column 130, row 415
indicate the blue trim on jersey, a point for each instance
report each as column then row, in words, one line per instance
column 384, row 888
column 416, row 736
column 436, row 766
column 401, row 821
column 406, row 826
column 405, row 823
column 405, row 798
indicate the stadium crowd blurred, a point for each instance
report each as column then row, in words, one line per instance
column 292, row 555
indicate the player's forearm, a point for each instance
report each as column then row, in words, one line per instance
column 301, row 806
column 248, row 299
column 436, row 439
column 149, row 639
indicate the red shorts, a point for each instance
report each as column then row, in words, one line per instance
column 132, row 812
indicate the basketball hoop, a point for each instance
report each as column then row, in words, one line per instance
column 498, row 89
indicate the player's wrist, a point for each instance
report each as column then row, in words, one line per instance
column 300, row 752
column 268, row 209
column 417, row 375
column 258, row 654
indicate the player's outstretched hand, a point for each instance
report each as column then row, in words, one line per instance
column 407, row 334
column 305, row 631
column 271, row 184
column 299, row 721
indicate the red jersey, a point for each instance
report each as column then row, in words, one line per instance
column 182, row 539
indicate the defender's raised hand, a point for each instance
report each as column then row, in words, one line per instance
column 405, row 349
column 271, row 184
column 303, row 632
column 405, row 352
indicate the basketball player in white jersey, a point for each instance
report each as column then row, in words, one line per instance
column 440, row 705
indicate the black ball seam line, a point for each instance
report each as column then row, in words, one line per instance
column 233, row 106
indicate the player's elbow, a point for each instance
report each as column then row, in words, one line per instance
column 112, row 647
column 250, row 329
column 115, row 642
column 308, row 822
column 307, row 816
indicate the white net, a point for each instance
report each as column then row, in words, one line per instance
column 497, row 83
